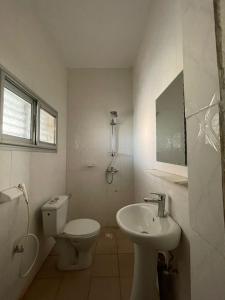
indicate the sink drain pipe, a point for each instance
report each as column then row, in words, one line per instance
column 166, row 276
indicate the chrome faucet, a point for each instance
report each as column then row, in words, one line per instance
column 160, row 200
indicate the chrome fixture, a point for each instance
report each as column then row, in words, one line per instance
column 160, row 200
column 114, row 116
column 114, row 132
column 111, row 170
column 19, row 248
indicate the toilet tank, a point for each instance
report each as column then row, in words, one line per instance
column 54, row 215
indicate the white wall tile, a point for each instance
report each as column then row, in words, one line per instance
column 204, row 159
column 208, row 270
column 20, row 173
column 201, row 81
column 205, row 193
column 41, row 69
column 159, row 61
column 92, row 95
column 5, row 167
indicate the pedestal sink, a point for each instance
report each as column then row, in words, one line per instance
column 149, row 233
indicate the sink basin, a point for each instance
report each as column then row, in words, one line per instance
column 142, row 225
column 149, row 233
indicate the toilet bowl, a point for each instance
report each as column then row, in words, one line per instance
column 74, row 239
column 75, row 244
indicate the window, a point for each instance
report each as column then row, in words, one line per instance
column 47, row 127
column 17, row 113
column 25, row 119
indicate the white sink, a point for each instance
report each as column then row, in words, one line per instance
column 149, row 233
column 141, row 224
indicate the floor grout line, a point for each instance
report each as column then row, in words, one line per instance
column 89, row 287
column 118, row 264
column 91, row 277
column 58, row 288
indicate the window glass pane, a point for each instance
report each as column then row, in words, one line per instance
column 47, row 127
column 16, row 115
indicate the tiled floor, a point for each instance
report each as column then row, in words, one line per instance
column 109, row 278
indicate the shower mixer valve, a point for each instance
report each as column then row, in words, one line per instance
column 112, row 170
column 19, row 248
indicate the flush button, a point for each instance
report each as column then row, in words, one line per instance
column 53, row 200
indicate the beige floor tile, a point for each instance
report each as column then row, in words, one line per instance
column 105, row 289
column 126, row 286
column 82, row 274
column 108, row 230
column 105, row 265
column 126, row 264
column 43, row 289
column 49, row 268
column 119, row 234
column 125, row 246
column 102, row 277
column 106, row 244
column 73, row 289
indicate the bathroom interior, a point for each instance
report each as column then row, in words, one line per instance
column 112, row 150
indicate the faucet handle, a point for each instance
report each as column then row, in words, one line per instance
column 162, row 196
column 160, row 201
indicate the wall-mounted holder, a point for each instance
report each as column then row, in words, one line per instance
column 10, row 194
column 174, row 178
column 91, row 165
column 14, row 193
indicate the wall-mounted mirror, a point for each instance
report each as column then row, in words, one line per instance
column 170, row 124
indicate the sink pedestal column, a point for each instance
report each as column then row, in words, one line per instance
column 145, row 274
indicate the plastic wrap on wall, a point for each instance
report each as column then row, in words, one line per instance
column 209, row 128
column 219, row 9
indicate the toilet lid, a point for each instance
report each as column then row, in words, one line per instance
column 82, row 227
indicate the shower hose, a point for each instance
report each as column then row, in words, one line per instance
column 28, row 235
column 110, row 171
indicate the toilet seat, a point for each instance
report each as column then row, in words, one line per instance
column 81, row 228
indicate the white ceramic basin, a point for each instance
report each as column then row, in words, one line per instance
column 149, row 233
column 142, row 225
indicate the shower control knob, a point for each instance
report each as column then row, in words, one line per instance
column 112, row 170
column 18, row 249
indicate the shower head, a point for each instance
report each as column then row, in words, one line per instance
column 114, row 114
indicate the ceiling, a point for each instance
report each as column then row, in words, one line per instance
column 95, row 33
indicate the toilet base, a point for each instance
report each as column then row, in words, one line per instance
column 70, row 258
column 83, row 261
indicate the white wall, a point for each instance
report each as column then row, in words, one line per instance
column 159, row 61
column 26, row 51
column 222, row 20
column 204, row 157
column 93, row 93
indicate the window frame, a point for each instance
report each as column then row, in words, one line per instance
column 54, row 114
column 8, row 139
column 37, row 103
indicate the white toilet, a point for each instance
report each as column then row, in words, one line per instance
column 74, row 240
